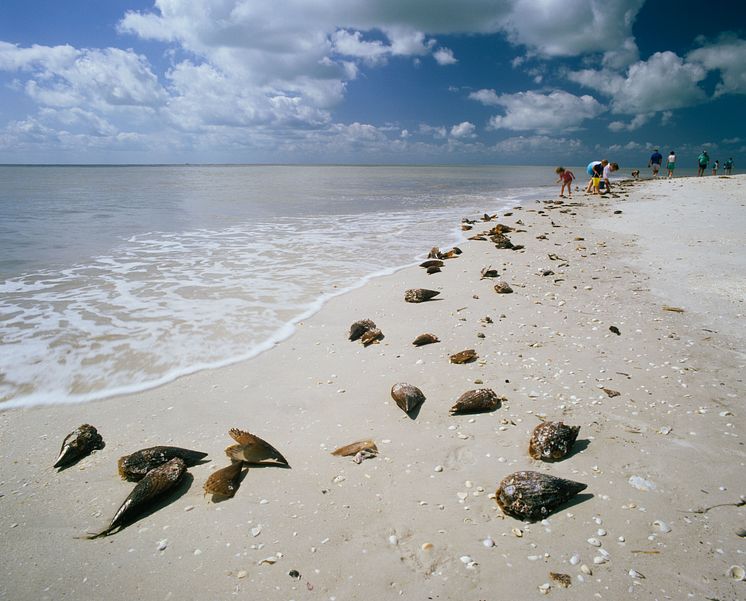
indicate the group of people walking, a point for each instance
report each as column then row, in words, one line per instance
column 703, row 160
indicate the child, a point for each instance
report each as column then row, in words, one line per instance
column 565, row 176
column 715, row 167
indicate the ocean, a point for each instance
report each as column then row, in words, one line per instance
column 115, row 279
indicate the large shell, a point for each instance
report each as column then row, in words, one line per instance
column 224, row 482
column 533, row 496
column 371, row 336
column 433, row 269
column 79, row 443
column 135, row 466
column 419, row 295
column 407, row 397
column 551, row 441
column 503, row 287
column 501, row 241
column 363, row 446
column 423, row 339
column 488, row 272
column 252, row 449
column 466, row 356
column 156, row 482
column 476, row 401
column 359, row 328
column 432, row 263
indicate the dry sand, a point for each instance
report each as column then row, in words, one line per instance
column 655, row 457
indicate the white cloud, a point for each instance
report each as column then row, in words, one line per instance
column 532, row 144
column 486, row 97
column 663, row 82
column 352, row 44
column 727, row 55
column 572, row 27
column 444, row 56
column 555, row 111
column 463, row 130
column 636, row 123
column 437, row 132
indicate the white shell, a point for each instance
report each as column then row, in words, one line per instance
column 736, row 573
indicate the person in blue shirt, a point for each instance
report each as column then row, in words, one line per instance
column 655, row 162
column 728, row 166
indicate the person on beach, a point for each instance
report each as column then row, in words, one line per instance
column 702, row 160
column 655, row 162
column 608, row 170
column 671, row 163
column 594, row 170
column 565, row 176
column 728, row 166
column 715, row 167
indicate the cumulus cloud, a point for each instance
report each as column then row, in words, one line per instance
column 531, row 144
column 727, row 55
column 444, row 56
column 463, row 130
column 636, row 123
column 662, row 82
column 555, row 111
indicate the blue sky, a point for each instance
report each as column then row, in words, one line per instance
column 370, row 81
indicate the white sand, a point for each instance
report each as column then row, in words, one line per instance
column 355, row 532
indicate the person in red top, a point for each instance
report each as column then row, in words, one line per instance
column 565, row 176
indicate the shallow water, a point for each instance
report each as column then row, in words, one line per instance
column 116, row 279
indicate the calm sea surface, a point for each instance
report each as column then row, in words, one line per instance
column 116, row 279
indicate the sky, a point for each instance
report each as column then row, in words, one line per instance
column 371, row 81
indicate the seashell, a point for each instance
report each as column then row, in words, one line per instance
column 450, row 254
column 252, row 449
column 423, row 339
column 371, row 336
column 407, row 397
column 611, row 393
column 501, row 241
column 79, row 443
column 488, row 272
column 419, row 295
column 224, row 482
column 476, row 401
column 478, row 237
column 466, row 356
column 564, row 580
column 434, row 253
column 456, row 250
column 736, row 573
column 465, row 227
column 503, row 287
column 432, row 270
column 533, row 496
column 551, row 441
column 359, row 328
column 500, row 228
column 487, row 217
column 432, row 263
column 134, row 467
column 364, row 446
column 155, row 483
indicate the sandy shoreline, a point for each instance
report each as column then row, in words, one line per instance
column 357, row 531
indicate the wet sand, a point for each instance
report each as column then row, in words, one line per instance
column 418, row 521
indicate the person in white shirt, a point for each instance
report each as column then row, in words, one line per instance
column 608, row 169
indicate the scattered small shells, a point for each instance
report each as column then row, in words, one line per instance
column 641, row 483
column 586, row 570
column 163, row 544
column 242, row 574
column 488, row 542
column 661, row 526
column 256, row 531
column 427, row 546
column 599, row 559
column 594, row 542
column 564, row 580
column 736, row 573
column 574, row 559
column 545, row 588
column 517, row 532
column 393, row 540
column 438, row 468
column 636, row 574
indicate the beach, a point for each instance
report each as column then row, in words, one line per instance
column 626, row 319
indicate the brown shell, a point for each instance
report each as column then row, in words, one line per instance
column 79, row 443
column 432, row 263
column 450, row 254
column 354, row 448
column 501, row 241
column 503, row 287
column 433, row 269
column 434, row 253
column 134, row 467
column 359, row 328
column 500, row 228
column 476, row 401
column 423, row 339
column 419, row 295
column 533, row 496
column 251, row 448
column 224, row 482
column 551, row 441
column 407, row 397
column 466, row 356
column 155, row 483
column 488, row 272
column 371, row 336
